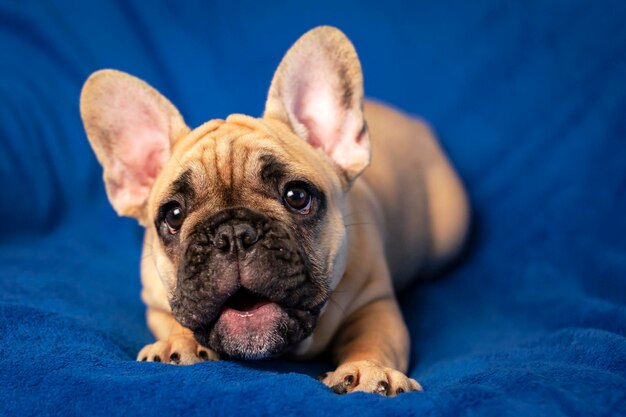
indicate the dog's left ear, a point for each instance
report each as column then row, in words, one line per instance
column 318, row 91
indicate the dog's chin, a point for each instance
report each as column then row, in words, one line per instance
column 250, row 334
column 256, row 329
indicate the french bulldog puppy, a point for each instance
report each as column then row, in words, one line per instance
column 268, row 236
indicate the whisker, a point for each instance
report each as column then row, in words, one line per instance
column 146, row 255
column 341, row 292
column 360, row 224
column 330, row 300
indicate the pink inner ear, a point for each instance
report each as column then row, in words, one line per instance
column 139, row 132
column 315, row 103
column 323, row 124
column 313, row 90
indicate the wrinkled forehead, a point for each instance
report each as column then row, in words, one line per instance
column 225, row 162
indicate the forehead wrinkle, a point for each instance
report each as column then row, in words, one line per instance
column 229, row 158
column 296, row 165
column 245, row 158
column 288, row 148
column 207, row 157
column 223, row 159
column 183, row 145
column 249, row 144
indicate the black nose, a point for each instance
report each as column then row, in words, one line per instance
column 239, row 236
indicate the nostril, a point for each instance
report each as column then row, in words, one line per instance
column 222, row 241
column 247, row 235
column 248, row 240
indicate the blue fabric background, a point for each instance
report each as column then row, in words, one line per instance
column 529, row 99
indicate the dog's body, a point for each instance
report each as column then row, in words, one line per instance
column 261, row 238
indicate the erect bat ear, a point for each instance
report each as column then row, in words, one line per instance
column 318, row 91
column 131, row 128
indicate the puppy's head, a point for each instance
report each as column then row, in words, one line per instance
column 244, row 216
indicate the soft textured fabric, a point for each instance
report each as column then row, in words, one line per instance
column 529, row 100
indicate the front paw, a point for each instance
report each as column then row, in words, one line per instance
column 177, row 350
column 368, row 376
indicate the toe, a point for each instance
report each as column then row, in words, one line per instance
column 143, row 353
column 346, row 384
column 399, row 383
column 206, row 354
column 372, row 378
column 183, row 351
column 159, row 352
column 368, row 376
column 415, row 386
column 343, row 380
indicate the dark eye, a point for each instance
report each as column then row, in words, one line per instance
column 298, row 198
column 174, row 217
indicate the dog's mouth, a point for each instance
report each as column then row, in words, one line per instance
column 248, row 326
column 247, row 313
column 252, row 326
column 245, row 303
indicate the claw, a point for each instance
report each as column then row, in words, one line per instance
column 382, row 388
column 339, row 389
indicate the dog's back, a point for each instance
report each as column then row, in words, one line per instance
column 425, row 208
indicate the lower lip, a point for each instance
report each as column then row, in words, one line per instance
column 260, row 319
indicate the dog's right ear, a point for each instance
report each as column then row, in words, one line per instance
column 131, row 128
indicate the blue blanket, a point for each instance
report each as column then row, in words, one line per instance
column 529, row 100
